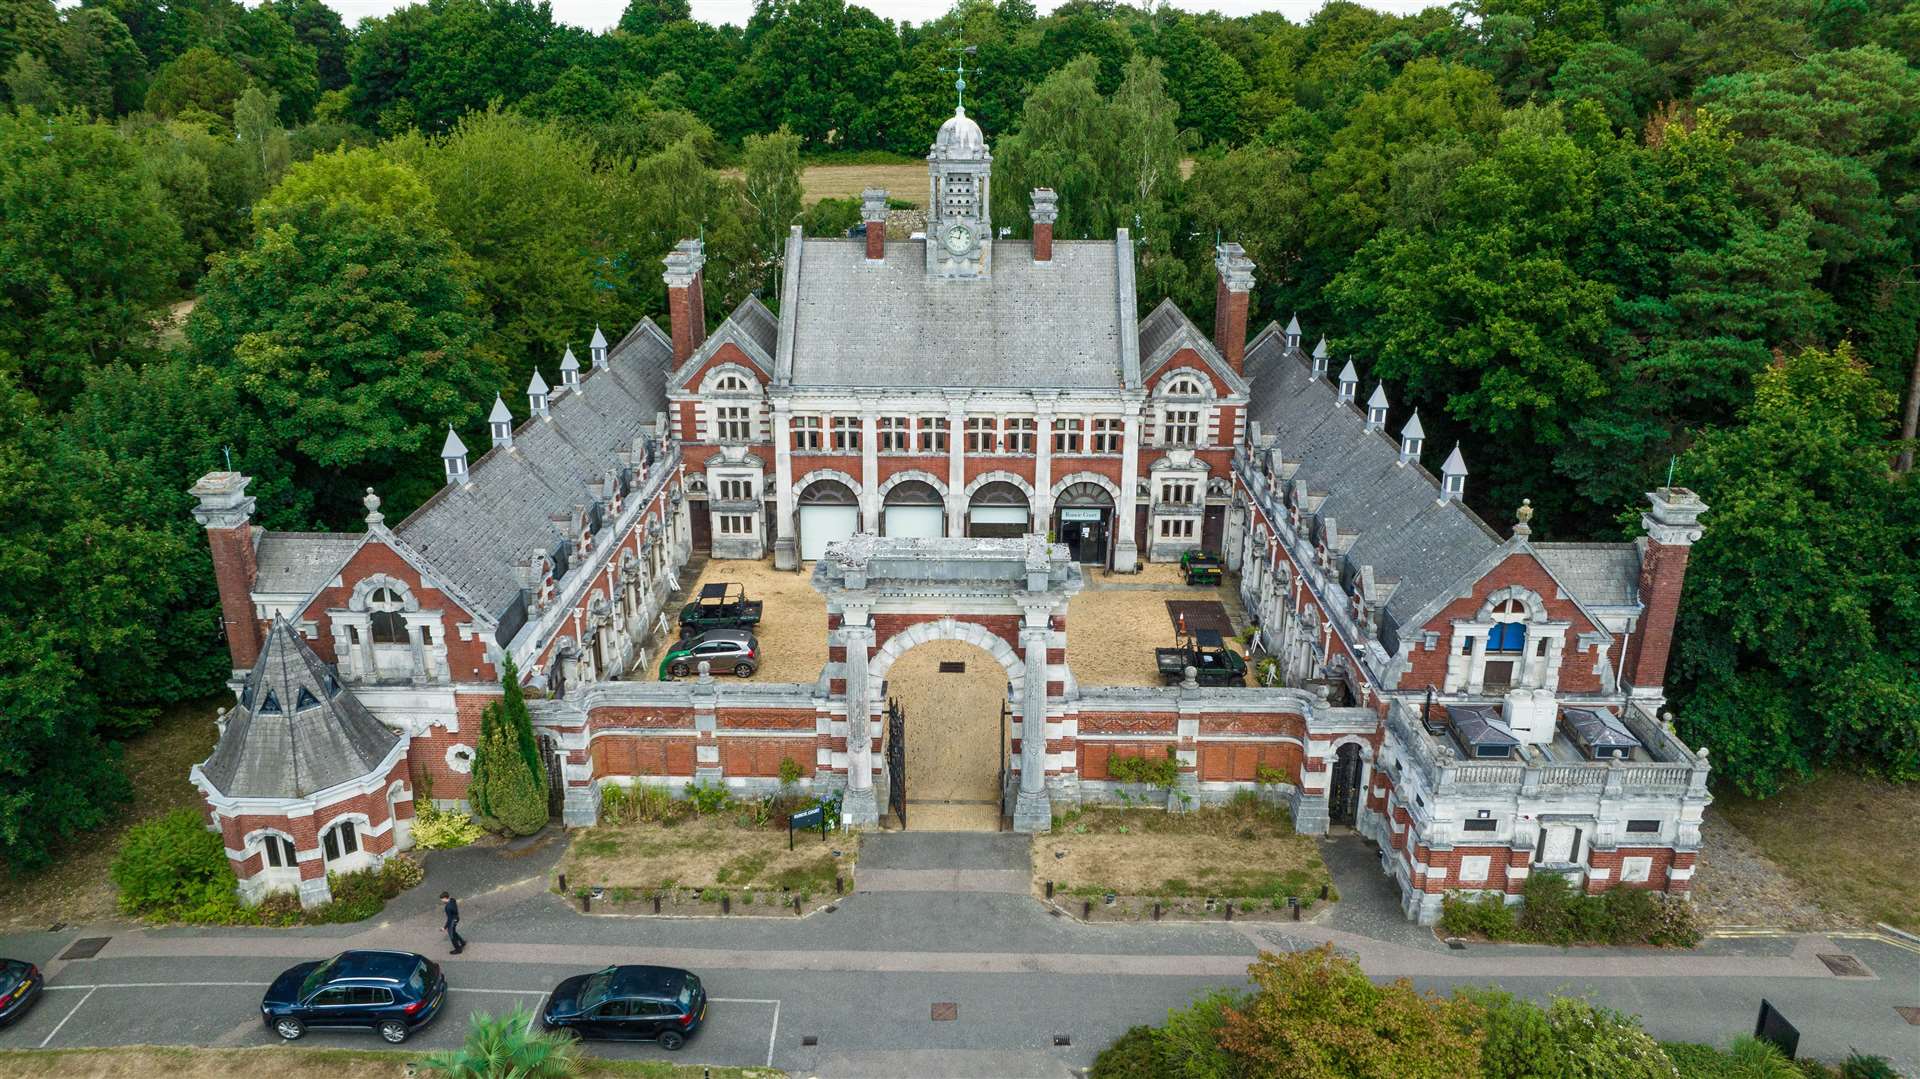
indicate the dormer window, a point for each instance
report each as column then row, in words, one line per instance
column 730, row 383
column 1183, row 386
column 270, row 706
column 304, row 701
column 384, row 619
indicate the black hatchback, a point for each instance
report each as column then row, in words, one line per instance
column 20, row 985
column 630, row 1003
column 393, row 993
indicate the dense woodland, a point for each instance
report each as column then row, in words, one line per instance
column 1597, row 243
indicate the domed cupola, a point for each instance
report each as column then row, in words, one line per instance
column 960, row 137
column 959, row 224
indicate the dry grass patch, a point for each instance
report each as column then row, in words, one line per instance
column 792, row 629
column 287, row 1062
column 76, row 889
column 711, row 853
column 1837, row 838
column 1246, row 851
column 1114, row 626
column 903, row 182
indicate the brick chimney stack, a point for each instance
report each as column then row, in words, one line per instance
column 686, row 303
column 226, row 512
column 1672, row 522
column 1046, row 210
column 873, row 212
column 1230, row 304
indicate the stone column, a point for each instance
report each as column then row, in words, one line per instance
column 786, row 551
column 1126, row 554
column 860, row 806
column 870, row 468
column 1043, row 468
column 956, row 467
column 1033, row 810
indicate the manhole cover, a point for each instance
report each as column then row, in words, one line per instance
column 1911, row 1015
column 85, row 948
column 1846, row 966
column 945, row 1011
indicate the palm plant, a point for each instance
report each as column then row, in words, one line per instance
column 507, row 1047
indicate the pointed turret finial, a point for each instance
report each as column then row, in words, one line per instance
column 1412, row 437
column 537, row 394
column 500, row 423
column 1521, row 526
column 1349, row 382
column 372, row 502
column 597, row 348
column 1453, row 476
column 1377, row 408
column 453, row 453
column 569, row 369
column 1320, row 360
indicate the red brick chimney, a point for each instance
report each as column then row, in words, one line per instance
column 1230, row 304
column 1673, row 524
column 226, row 511
column 873, row 213
column 1046, row 210
column 686, row 303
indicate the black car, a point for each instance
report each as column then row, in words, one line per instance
column 394, row 993
column 631, row 1003
column 20, row 985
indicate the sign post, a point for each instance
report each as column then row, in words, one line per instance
column 807, row 818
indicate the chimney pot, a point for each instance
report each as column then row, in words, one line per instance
column 1045, row 211
column 1231, row 297
column 226, row 512
column 1672, row 522
column 686, row 306
column 873, row 214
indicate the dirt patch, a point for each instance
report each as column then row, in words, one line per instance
column 792, row 629
column 76, row 888
column 1838, row 839
column 907, row 183
column 1246, row 852
column 287, row 1062
column 712, row 854
column 1116, row 623
column 1738, row 885
column 953, row 733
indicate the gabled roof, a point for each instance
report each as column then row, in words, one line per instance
column 1166, row 331
column 300, row 563
column 1601, row 574
column 750, row 328
column 1068, row 322
column 297, row 730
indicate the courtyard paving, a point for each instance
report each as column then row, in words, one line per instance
column 1116, row 623
column 793, row 627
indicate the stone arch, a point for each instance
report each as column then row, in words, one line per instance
column 1162, row 386
column 363, row 591
column 819, row 474
column 1095, row 478
column 711, row 380
column 1536, row 606
column 945, row 629
column 997, row 475
column 899, row 478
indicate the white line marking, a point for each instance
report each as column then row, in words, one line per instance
column 505, row 992
column 158, row 985
column 63, row 1022
column 536, row 1011
column 742, row 1000
column 774, row 1034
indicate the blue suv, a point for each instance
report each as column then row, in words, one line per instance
column 394, row 993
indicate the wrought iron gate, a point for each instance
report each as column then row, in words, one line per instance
column 556, row 781
column 897, row 760
column 1006, row 807
column 1343, row 799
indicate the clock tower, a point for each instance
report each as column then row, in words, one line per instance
column 959, row 226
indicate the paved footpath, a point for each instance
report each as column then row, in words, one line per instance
column 870, row 983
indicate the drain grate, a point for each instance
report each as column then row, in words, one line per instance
column 953, row 666
column 1911, row 1015
column 1063, row 1039
column 945, row 1011
column 85, row 948
column 1456, row 944
column 1846, row 966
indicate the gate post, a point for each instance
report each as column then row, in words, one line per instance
column 860, row 807
column 1033, row 810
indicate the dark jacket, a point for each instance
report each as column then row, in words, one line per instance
column 453, row 913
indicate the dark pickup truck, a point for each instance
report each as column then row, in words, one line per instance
column 1207, row 654
column 720, row 606
column 1200, row 567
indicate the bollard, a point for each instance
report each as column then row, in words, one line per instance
column 656, row 904
column 1086, row 909
column 796, row 904
column 1323, row 893
column 1293, row 904
column 726, row 904
column 1049, row 889
column 1156, row 912
column 1229, row 910
column 563, row 884
column 586, row 902
column 839, row 884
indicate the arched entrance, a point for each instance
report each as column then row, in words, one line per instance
column 914, row 509
column 1343, row 792
column 955, row 735
column 829, row 512
column 998, row 510
column 1083, row 520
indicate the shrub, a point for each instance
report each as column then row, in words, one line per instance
column 1486, row 915
column 1605, row 1044
column 1862, row 1066
column 1517, row 1042
column 173, row 868
column 506, row 1046
column 363, row 893
column 441, row 829
column 642, row 802
column 512, row 797
column 1134, row 1055
column 790, row 771
column 709, row 798
column 1162, row 772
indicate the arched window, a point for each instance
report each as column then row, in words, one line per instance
column 1182, row 386
column 278, row 851
column 384, row 619
column 341, row 840
column 730, row 383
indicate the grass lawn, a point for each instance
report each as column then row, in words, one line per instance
column 75, row 889
column 286, row 1062
column 1244, row 851
column 1839, row 837
column 712, row 852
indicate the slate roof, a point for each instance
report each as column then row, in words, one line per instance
column 1025, row 325
column 1420, row 545
column 474, row 535
column 297, row 730
column 300, row 563
column 1166, row 330
column 1600, row 574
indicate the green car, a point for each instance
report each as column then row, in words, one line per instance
column 728, row 651
column 1200, row 567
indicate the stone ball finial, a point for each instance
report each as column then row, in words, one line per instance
column 1191, row 679
column 1526, row 510
column 372, row 502
column 706, row 672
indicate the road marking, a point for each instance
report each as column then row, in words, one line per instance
column 63, row 1022
column 505, row 992
column 159, row 985
column 536, row 1011
column 773, row 1034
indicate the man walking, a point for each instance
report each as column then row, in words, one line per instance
column 453, row 924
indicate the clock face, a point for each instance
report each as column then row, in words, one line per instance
column 959, row 239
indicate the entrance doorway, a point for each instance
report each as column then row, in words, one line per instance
column 914, row 509
column 1083, row 520
column 829, row 513
column 1343, row 796
column 956, row 735
column 998, row 509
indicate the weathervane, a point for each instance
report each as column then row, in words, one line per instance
column 960, row 74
